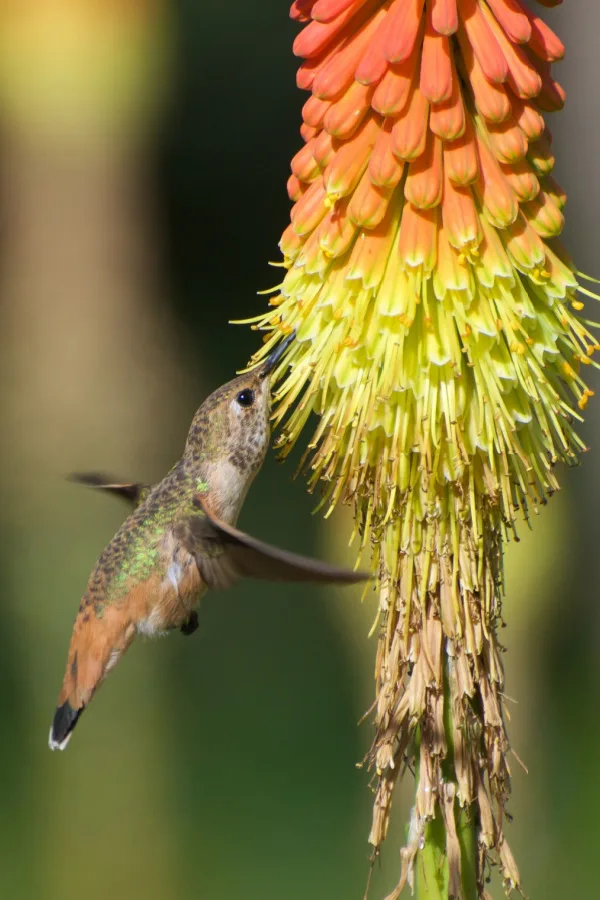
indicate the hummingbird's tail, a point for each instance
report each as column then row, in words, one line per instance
column 97, row 644
column 63, row 723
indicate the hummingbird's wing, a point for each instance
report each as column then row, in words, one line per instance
column 224, row 553
column 132, row 491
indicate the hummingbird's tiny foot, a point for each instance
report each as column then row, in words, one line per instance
column 191, row 625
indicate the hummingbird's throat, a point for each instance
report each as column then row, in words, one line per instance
column 229, row 484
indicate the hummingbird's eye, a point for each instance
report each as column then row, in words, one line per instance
column 245, row 398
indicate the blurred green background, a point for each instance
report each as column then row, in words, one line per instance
column 144, row 149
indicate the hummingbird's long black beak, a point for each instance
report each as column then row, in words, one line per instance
column 272, row 360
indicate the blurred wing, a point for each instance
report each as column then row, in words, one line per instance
column 223, row 554
column 132, row 491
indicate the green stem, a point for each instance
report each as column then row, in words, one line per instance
column 431, row 869
column 467, row 838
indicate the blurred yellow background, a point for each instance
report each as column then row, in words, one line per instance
column 144, row 149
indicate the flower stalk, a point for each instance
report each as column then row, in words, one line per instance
column 440, row 344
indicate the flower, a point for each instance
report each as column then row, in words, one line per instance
column 439, row 342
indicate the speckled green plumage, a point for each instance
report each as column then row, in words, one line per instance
column 133, row 555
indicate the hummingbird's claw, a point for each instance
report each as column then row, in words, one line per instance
column 191, row 625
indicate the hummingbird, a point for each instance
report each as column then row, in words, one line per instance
column 179, row 541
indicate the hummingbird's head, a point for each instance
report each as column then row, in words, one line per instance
column 232, row 427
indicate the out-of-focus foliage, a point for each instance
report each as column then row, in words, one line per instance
column 223, row 765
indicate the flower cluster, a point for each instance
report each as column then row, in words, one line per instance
column 439, row 343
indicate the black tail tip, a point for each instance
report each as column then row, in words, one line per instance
column 65, row 720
